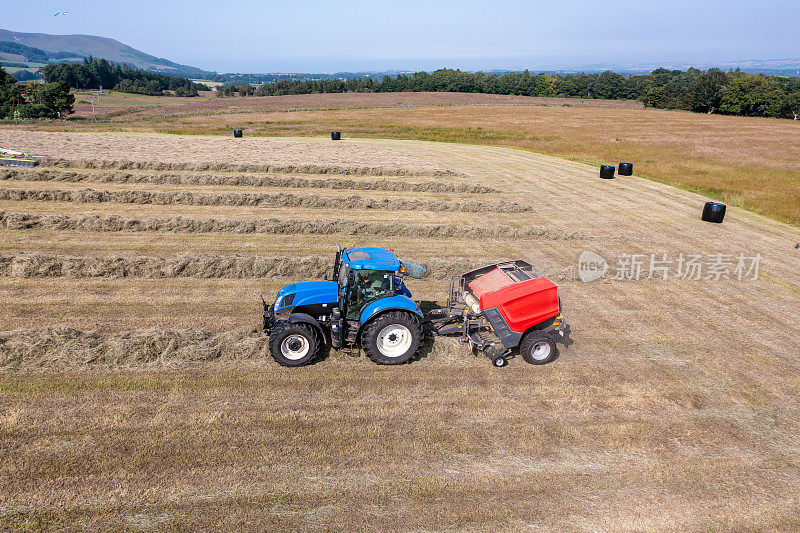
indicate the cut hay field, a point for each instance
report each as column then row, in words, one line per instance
column 136, row 392
column 745, row 161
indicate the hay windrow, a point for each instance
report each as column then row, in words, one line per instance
column 234, row 167
column 64, row 347
column 45, row 265
column 281, row 200
column 275, row 226
column 241, row 180
column 205, row 266
column 67, row 347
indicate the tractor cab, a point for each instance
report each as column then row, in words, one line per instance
column 365, row 301
column 365, row 275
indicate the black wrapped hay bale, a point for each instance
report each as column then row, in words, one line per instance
column 607, row 172
column 336, row 135
column 237, row 133
column 625, row 169
column 714, row 212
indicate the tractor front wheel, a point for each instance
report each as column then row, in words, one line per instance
column 392, row 339
column 294, row 344
column 537, row 348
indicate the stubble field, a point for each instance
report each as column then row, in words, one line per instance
column 745, row 161
column 137, row 393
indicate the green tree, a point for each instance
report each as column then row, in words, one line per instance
column 544, row 85
column 58, row 98
column 791, row 105
column 609, row 85
column 752, row 95
column 654, row 97
column 6, row 78
column 705, row 92
column 733, row 97
column 766, row 99
column 7, row 96
column 34, row 100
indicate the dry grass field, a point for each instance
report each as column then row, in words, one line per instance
column 136, row 392
column 748, row 162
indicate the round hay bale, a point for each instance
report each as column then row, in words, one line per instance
column 625, row 169
column 607, row 172
column 336, row 135
column 237, row 133
column 714, row 212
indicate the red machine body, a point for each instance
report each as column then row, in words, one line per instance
column 522, row 304
column 505, row 309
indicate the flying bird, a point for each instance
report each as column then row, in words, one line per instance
column 63, row 13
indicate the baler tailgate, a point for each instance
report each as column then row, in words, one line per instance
column 524, row 304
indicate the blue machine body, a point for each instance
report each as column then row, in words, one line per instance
column 370, row 259
column 308, row 293
column 388, row 303
column 381, row 259
column 313, row 301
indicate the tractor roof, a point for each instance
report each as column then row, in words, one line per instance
column 371, row 259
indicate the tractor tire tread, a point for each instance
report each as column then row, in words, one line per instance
column 532, row 338
column 276, row 337
column 369, row 345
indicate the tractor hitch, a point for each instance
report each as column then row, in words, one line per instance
column 269, row 316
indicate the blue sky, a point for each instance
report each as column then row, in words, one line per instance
column 325, row 36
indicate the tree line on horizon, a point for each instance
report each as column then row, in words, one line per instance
column 33, row 100
column 94, row 73
column 712, row 91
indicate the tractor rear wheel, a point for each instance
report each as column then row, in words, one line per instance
column 537, row 348
column 392, row 338
column 294, row 344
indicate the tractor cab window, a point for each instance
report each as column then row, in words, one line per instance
column 368, row 286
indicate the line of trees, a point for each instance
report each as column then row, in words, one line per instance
column 94, row 73
column 34, row 100
column 235, row 90
column 711, row 91
column 32, row 54
column 258, row 79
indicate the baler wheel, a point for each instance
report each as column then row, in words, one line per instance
column 392, row 338
column 499, row 362
column 294, row 344
column 537, row 348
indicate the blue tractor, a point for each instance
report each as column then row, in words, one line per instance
column 366, row 302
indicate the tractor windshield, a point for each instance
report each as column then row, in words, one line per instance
column 368, row 286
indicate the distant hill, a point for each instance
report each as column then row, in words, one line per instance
column 772, row 67
column 45, row 48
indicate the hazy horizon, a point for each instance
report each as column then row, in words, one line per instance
column 317, row 36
